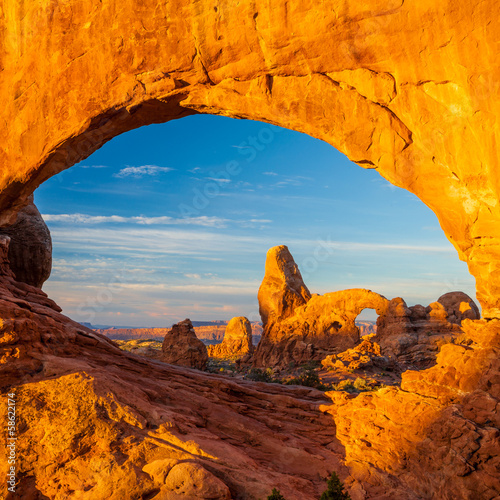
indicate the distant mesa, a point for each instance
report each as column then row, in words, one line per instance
column 182, row 347
column 237, row 340
column 207, row 331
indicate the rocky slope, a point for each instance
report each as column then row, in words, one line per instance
column 96, row 422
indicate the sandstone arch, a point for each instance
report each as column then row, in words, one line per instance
column 409, row 88
column 421, row 110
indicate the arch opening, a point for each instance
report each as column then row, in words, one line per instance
column 249, row 157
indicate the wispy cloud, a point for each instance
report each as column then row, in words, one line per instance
column 204, row 220
column 141, row 171
column 269, row 173
column 216, row 179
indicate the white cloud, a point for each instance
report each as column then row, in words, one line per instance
column 215, row 179
column 141, row 171
column 204, row 220
column 269, row 173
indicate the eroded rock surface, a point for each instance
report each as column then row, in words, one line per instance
column 30, row 250
column 413, row 335
column 182, row 347
column 422, row 112
column 237, row 340
column 300, row 327
column 366, row 355
column 440, row 434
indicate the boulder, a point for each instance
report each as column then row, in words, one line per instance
column 237, row 340
column 182, row 347
column 30, row 250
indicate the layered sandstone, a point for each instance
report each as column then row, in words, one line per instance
column 182, row 347
column 413, row 335
column 300, row 327
column 237, row 340
column 438, row 434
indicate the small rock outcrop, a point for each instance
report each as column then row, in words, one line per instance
column 182, row 347
column 298, row 326
column 30, row 249
column 365, row 355
column 237, row 340
column 413, row 335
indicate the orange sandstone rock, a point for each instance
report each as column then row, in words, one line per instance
column 408, row 88
column 237, row 340
column 299, row 327
column 421, row 111
column 413, row 335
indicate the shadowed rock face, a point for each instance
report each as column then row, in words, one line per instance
column 237, row 340
column 182, row 347
column 30, row 250
column 299, row 327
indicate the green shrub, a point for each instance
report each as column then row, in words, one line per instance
column 335, row 489
column 308, row 378
column 361, row 385
column 258, row 375
column 345, row 385
column 275, row 495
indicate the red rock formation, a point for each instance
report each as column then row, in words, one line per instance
column 413, row 335
column 409, row 88
column 30, row 250
column 282, row 290
column 182, row 347
column 436, row 437
column 237, row 340
column 97, row 422
column 299, row 327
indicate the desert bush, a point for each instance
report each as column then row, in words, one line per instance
column 308, row 378
column 344, row 385
column 275, row 495
column 258, row 375
column 335, row 489
column 361, row 385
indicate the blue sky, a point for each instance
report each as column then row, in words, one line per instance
column 174, row 220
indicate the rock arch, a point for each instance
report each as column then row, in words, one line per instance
column 406, row 88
